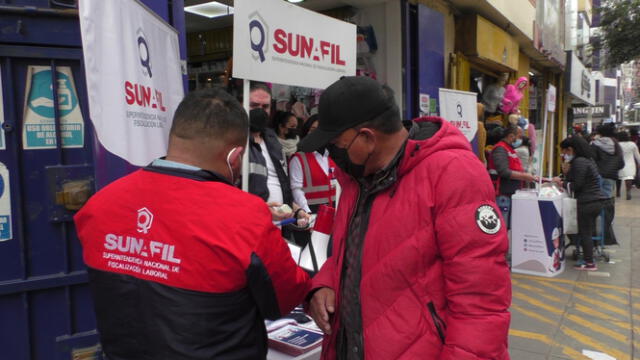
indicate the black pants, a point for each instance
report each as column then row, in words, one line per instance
column 609, row 215
column 587, row 214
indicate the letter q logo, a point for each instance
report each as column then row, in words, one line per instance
column 145, row 219
column 258, row 36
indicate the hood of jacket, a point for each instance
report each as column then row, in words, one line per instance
column 522, row 83
column 606, row 144
column 428, row 135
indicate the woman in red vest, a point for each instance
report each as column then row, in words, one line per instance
column 312, row 177
column 505, row 168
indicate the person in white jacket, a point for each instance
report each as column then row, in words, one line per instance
column 631, row 158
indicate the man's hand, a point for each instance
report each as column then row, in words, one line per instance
column 530, row 178
column 278, row 215
column 322, row 307
column 556, row 180
column 566, row 167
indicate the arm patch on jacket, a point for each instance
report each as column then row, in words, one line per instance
column 488, row 220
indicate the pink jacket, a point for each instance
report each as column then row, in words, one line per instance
column 435, row 240
column 513, row 95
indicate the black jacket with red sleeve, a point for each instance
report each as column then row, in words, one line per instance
column 183, row 265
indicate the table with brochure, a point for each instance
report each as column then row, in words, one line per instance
column 537, row 241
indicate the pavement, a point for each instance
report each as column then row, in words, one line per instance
column 558, row 318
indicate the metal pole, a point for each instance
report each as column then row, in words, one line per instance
column 544, row 145
column 551, row 144
column 245, row 156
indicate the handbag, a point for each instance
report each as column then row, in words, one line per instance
column 569, row 214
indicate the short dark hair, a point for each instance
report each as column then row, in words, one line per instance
column 623, row 136
column 257, row 85
column 210, row 113
column 580, row 146
column 388, row 122
column 607, row 130
column 495, row 134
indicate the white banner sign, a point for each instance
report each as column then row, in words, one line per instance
column 460, row 109
column 582, row 84
column 551, row 98
column 275, row 41
column 134, row 79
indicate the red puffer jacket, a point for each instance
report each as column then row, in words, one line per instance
column 435, row 283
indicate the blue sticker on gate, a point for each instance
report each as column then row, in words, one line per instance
column 5, row 227
column 41, row 94
column 1, row 187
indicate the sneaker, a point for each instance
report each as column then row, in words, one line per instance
column 586, row 267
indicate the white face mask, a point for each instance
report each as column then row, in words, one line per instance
column 233, row 179
column 567, row 157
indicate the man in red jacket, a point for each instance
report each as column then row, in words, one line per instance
column 182, row 264
column 418, row 268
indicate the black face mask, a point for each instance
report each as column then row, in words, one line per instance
column 292, row 133
column 341, row 157
column 258, row 123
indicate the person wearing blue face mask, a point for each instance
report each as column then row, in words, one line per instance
column 505, row 168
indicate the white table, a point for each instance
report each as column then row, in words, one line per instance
column 311, row 355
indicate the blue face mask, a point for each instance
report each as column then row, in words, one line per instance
column 517, row 143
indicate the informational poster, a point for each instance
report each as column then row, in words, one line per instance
column 3, row 144
column 460, row 109
column 5, row 204
column 39, row 127
column 425, row 104
column 275, row 41
column 134, row 77
column 537, row 246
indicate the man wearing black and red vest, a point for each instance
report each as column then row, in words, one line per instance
column 182, row 264
column 506, row 170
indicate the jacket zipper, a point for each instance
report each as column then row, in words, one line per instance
column 440, row 325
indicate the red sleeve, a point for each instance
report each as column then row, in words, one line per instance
column 477, row 279
column 277, row 283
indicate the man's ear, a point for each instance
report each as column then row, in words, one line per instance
column 370, row 137
column 236, row 155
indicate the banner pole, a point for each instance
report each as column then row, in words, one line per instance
column 542, row 153
column 245, row 156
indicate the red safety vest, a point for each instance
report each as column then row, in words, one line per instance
column 514, row 164
column 319, row 188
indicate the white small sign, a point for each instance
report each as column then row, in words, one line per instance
column 275, row 41
column 460, row 109
column 551, row 98
column 425, row 104
column 6, row 232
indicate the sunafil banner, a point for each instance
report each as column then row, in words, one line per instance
column 133, row 73
column 275, row 41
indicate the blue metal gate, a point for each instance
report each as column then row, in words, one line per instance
column 46, row 311
column 45, row 304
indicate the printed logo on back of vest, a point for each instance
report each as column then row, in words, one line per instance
column 145, row 220
column 488, row 220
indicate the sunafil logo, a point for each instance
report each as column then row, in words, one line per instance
column 259, row 36
column 291, row 44
column 140, row 94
